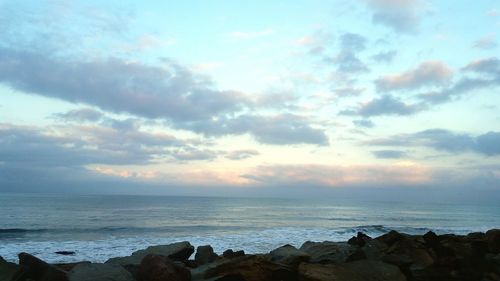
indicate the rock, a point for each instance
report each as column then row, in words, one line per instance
column 327, row 252
column 99, row 272
column 289, row 255
column 205, row 254
column 390, row 237
column 493, row 239
column 230, row 254
column 372, row 250
column 7, row 269
column 177, row 251
column 359, row 240
column 365, row 270
column 65, row 253
column 33, row 268
column 431, row 239
column 161, row 268
column 68, row 266
column 249, row 268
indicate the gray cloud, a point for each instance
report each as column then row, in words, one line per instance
column 347, row 59
column 80, row 115
column 401, row 16
column 389, row 154
column 365, row 123
column 429, row 73
column 385, row 105
column 485, row 43
column 170, row 91
column 385, row 57
column 444, row 140
column 280, row 129
column 242, row 154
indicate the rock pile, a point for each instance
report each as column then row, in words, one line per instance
column 391, row 257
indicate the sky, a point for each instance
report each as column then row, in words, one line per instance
column 250, row 98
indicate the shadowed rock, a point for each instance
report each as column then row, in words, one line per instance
column 99, row 272
column 161, row 268
column 177, row 251
column 33, row 268
column 205, row 254
column 327, row 252
column 7, row 269
column 230, row 254
column 289, row 255
column 365, row 270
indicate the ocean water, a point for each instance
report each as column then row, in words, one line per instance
column 103, row 226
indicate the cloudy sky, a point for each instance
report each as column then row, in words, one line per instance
column 277, row 97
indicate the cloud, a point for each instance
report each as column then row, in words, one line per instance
column 347, row 60
column 279, row 129
column 487, row 42
column 385, row 57
column 348, row 91
column 444, row 140
column 429, row 73
column 365, row 123
column 389, row 154
column 400, row 15
column 385, row 105
column 242, row 154
column 487, row 76
column 80, row 115
column 168, row 91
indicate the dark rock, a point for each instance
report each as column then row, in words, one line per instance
column 99, row 272
column 327, row 252
column 177, row 251
column 289, row 255
column 33, row 268
column 68, row 266
column 390, row 237
column 161, row 268
column 431, row 239
column 205, row 254
column 365, row 270
column 65, row 253
column 493, row 239
column 7, row 269
column 359, row 240
column 250, row 268
column 230, row 254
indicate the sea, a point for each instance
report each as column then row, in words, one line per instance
column 99, row 227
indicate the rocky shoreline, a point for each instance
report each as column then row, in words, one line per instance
column 392, row 256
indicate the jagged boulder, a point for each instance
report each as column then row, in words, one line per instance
column 161, row 268
column 289, row 255
column 327, row 252
column 99, row 272
column 33, row 268
column 365, row 270
column 230, row 254
column 177, row 251
column 205, row 254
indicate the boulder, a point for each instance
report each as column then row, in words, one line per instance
column 33, row 268
column 359, row 240
column 248, row 268
column 390, row 237
column 364, row 270
column 289, row 255
column 68, row 266
column 230, row 254
column 327, row 252
column 7, row 269
column 493, row 239
column 177, row 251
column 161, row 268
column 99, row 272
column 205, row 254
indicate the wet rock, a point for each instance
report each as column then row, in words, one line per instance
column 359, row 240
column 205, row 254
column 493, row 239
column 249, row 268
column 230, row 254
column 7, row 269
column 289, row 255
column 65, row 253
column 327, row 252
column 365, row 270
column 161, row 268
column 33, row 268
column 99, row 272
column 177, row 251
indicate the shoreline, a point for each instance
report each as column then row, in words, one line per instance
column 391, row 256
